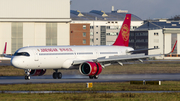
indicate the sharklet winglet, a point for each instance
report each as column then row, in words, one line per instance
column 174, row 47
column 5, row 48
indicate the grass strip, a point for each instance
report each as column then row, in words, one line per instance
column 107, row 86
column 91, row 97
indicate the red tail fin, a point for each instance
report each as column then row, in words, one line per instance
column 5, row 48
column 123, row 37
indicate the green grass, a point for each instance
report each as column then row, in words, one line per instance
column 113, row 69
column 108, row 86
column 92, row 97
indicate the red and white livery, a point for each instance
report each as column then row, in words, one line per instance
column 88, row 59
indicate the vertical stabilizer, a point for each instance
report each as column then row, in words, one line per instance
column 123, row 37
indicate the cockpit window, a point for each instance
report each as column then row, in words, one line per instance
column 21, row 54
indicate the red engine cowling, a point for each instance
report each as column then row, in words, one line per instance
column 90, row 68
column 37, row 72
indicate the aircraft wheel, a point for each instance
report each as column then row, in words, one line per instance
column 27, row 78
column 54, row 75
column 59, row 75
column 96, row 76
column 91, row 77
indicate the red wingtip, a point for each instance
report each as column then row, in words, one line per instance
column 174, row 47
column 5, row 48
column 123, row 37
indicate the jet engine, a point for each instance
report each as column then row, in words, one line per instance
column 37, row 72
column 90, row 68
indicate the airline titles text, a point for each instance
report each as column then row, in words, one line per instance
column 56, row 50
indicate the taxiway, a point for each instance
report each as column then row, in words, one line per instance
column 81, row 78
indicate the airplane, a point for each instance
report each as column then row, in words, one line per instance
column 90, row 60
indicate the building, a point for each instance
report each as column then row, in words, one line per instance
column 79, row 34
column 34, row 23
column 160, row 34
column 104, row 26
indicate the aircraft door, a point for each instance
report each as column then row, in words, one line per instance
column 97, row 53
column 36, row 54
column 75, row 54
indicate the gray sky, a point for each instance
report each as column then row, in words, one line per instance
column 145, row 9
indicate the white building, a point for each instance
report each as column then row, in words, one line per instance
column 160, row 34
column 34, row 23
column 104, row 27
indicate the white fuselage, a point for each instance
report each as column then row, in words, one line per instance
column 56, row 57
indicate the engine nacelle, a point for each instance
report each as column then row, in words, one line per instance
column 37, row 72
column 90, row 68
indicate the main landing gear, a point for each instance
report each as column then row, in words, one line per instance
column 57, row 75
column 94, row 76
column 27, row 71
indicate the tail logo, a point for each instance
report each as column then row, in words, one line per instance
column 125, row 32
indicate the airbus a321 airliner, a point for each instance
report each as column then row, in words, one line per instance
column 88, row 59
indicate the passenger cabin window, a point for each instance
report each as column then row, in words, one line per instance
column 21, row 54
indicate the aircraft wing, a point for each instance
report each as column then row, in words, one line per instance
column 140, row 50
column 4, row 52
column 7, row 56
column 126, row 57
column 116, row 58
column 123, row 57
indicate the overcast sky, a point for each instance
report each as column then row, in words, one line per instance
column 145, row 9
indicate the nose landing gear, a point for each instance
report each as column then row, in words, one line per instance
column 27, row 72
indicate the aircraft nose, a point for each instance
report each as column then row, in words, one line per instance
column 15, row 62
